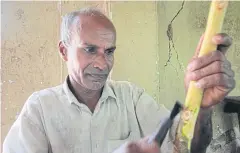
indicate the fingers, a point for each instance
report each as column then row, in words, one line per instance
column 147, row 147
column 223, row 41
column 141, row 146
column 132, row 147
column 205, row 60
column 212, row 71
column 219, row 79
column 214, row 68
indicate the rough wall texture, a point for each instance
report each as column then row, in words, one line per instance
column 30, row 34
column 186, row 30
column 136, row 54
column 29, row 57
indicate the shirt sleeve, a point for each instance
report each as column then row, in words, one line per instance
column 151, row 115
column 27, row 133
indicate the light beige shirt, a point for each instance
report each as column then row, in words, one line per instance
column 53, row 121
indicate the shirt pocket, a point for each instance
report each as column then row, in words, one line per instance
column 113, row 144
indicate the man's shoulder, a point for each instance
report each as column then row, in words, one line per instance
column 56, row 90
column 44, row 95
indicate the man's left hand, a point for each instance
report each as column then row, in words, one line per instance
column 212, row 72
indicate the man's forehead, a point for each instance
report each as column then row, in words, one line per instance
column 98, row 29
column 97, row 38
column 96, row 21
column 95, row 32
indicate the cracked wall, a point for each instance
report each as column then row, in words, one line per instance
column 146, row 31
column 186, row 31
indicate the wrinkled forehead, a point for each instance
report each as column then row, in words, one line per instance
column 96, row 31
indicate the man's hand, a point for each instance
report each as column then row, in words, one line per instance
column 212, row 72
column 140, row 146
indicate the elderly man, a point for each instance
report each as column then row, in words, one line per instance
column 90, row 114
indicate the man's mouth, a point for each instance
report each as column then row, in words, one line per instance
column 98, row 77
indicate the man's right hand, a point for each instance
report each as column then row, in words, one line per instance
column 140, row 146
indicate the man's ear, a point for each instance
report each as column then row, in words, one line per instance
column 63, row 51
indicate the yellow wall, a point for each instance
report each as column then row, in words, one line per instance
column 30, row 34
column 29, row 57
column 143, row 44
column 136, row 54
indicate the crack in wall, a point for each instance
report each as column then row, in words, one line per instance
column 170, row 39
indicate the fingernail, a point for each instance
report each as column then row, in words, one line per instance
column 198, row 85
column 217, row 39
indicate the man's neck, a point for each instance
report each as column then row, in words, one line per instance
column 86, row 96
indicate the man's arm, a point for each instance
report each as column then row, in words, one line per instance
column 203, row 131
column 150, row 114
column 27, row 134
column 202, row 134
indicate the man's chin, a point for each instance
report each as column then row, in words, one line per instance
column 95, row 85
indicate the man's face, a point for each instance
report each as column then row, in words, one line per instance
column 91, row 53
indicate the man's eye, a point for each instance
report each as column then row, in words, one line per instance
column 90, row 49
column 110, row 51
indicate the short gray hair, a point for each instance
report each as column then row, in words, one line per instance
column 72, row 18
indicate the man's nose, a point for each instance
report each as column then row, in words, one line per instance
column 100, row 62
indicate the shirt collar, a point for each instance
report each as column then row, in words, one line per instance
column 71, row 98
column 107, row 92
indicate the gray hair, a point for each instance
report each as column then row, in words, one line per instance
column 72, row 18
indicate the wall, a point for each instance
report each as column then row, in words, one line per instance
column 144, row 38
column 29, row 56
column 137, row 44
column 30, row 34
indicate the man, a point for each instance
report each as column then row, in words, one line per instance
column 88, row 114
